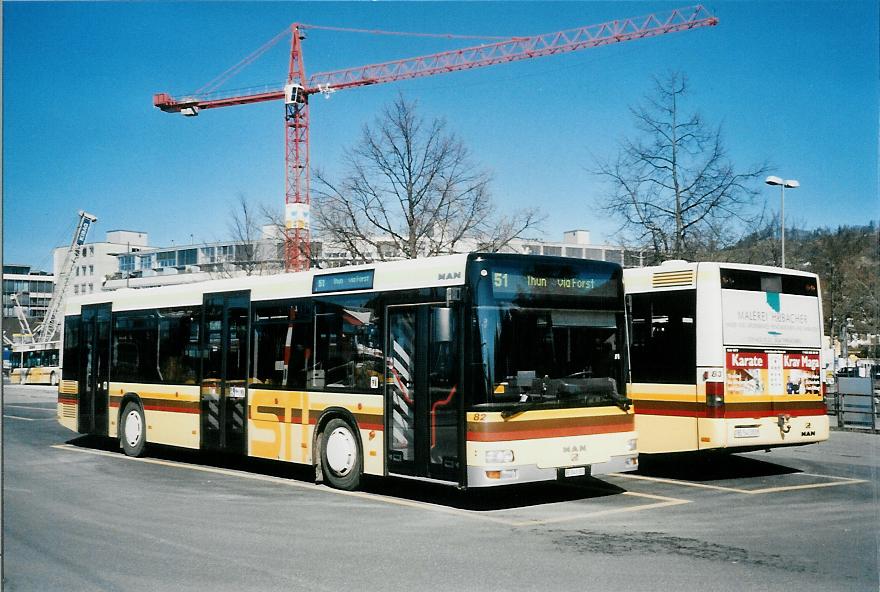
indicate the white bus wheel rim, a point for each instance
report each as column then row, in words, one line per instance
column 341, row 451
column 133, row 428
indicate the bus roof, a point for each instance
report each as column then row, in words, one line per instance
column 683, row 274
column 429, row 272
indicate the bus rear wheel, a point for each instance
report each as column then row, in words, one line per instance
column 133, row 430
column 340, row 455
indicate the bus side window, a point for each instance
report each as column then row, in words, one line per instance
column 348, row 350
column 663, row 348
column 70, row 370
column 282, row 344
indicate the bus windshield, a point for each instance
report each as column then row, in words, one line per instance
column 540, row 350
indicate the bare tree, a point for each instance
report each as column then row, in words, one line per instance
column 410, row 189
column 673, row 188
column 251, row 253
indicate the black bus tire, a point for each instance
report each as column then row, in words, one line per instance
column 133, row 430
column 341, row 461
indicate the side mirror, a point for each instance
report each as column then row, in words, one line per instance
column 441, row 324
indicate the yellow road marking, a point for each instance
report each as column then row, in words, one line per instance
column 662, row 502
column 281, row 481
column 8, row 405
column 836, row 481
column 677, row 482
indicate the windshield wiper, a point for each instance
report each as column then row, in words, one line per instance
column 622, row 402
column 524, row 406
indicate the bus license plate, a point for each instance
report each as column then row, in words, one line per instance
column 748, row 432
column 576, row 472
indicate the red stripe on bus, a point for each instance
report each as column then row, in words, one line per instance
column 733, row 410
column 168, row 408
column 68, row 400
column 496, row 432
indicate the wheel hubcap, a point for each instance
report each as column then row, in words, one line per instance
column 133, row 428
column 341, row 451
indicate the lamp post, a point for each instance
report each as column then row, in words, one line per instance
column 790, row 183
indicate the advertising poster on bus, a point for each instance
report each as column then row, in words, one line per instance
column 771, row 319
column 772, row 372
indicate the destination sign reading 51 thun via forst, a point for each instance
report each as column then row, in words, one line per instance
column 339, row 282
column 506, row 283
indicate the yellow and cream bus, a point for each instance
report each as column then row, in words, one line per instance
column 473, row 370
column 35, row 363
column 725, row 357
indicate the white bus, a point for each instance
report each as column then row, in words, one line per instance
column 725, row 357
column 35, row 363
column 471, row 370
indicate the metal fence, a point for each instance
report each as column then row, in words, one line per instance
column 856, row 404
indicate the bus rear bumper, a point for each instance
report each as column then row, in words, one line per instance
column 764, row 432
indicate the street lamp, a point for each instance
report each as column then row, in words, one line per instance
column 791, row 183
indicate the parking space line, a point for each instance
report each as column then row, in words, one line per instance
column 836, row 481
column 664, row 502
column 660, row 501
column 17, row 417
column 288, row 482
column 8, row 405
column 807, row 486
column 679, row 482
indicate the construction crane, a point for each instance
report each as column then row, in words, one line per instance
column 27, row 335
column 46, row 330
column 296, row 92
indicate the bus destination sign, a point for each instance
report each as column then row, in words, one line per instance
column 510, row 283
column 340, row 282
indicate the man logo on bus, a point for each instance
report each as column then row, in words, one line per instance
column 452, row 275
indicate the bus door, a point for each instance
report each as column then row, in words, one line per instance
column 223, row 392
column 423, row 402
column 94, row 376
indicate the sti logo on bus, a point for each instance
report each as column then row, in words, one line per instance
column 452, row 275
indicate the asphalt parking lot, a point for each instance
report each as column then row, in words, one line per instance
column 79, row 515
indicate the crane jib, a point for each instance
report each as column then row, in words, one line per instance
column 297, row 167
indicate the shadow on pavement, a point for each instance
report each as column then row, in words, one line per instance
column 484, row 499
column 708, row 466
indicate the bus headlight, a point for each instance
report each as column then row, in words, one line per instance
column 632, row 444
column 494, row 457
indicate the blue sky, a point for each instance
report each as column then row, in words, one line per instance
column 792, row 83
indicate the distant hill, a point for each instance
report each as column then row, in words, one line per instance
column 847, row 260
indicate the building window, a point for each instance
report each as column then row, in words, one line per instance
column 126, row 263
column 91, row 270
column 556, row 251
column 167, row 259
column 146, row 262
column 574, row 252
column 187, row 257
column 614, row 256
column 76, row 289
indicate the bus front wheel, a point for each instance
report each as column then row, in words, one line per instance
column 340, row 455
column 133, row 430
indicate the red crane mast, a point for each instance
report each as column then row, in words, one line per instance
column 296, row 92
